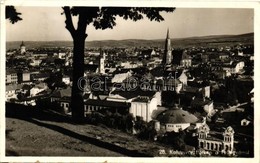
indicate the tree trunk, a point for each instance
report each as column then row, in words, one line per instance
column 77, row 103
column 79, row 35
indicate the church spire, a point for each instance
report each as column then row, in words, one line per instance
column 22, row 44
column 167, row 36
column 167, row 58
column 22, row 48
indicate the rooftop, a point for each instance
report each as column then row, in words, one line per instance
column 176, row 115
column 106, row 103
column 13, row 87
column 133, row 93
column 142, row 99
column 201, row 102
column 62, row 92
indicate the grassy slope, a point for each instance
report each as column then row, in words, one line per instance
column 28, row 139
column 37, row 133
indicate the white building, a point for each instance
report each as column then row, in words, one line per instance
column 143, row 107
column 22, row 48
column 218, row 142
column 35, row 62
column 66, row 80
column 119, row 78
column 37, row 89
column 102, row 59
column 176, row 119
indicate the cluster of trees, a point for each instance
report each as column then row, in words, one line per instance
column 141, row 129
column 113, row 120
column 233, row 91
column 125, row 123
column 55, row 81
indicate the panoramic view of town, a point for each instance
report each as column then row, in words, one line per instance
column 169, row 95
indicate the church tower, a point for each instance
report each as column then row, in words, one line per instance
column 228, row 143
column 167, row 57
column 22, row 48
column 102, row 62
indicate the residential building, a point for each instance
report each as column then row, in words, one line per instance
column 11, row 91
column 92, row 105
column 11, row 77
column 24, row 77
column 35, row 62
column 120, row 76
column 203, row 105
column 147, row 54
column 66, row 80
column 37, row 89
column 186, row 60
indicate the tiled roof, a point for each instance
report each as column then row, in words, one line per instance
column 13, row 87
column 133, row 93
column 141, row 99
column 201, row 102
column 175, row 116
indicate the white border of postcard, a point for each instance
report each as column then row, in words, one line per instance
column 152, row 3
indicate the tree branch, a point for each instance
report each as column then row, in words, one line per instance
column 68, row 21
column 82, row 24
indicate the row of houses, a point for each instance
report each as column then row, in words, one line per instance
column 13, row 90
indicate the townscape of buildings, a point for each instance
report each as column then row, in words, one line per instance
column 206, row 92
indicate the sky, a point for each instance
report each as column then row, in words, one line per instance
column 47, row 24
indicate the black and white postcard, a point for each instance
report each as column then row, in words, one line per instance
column 129, row 82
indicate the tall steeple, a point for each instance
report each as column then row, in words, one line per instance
column 167, row 57
column 22, row 48
column 102, row 62
column 167, row 37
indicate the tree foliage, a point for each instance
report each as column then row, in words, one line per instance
column 55, row 81
column 12, row 14
column 105, row 17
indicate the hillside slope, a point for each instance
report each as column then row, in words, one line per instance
column 40, row 133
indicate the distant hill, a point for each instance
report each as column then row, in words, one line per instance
column 208, row 41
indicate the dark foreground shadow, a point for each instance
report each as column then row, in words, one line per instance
column 13, row 110
column 33, row 116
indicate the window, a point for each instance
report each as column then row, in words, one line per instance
column 201, row 145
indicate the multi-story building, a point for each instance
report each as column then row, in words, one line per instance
column 218, row 142
column 11, row 77
column 143, row 107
